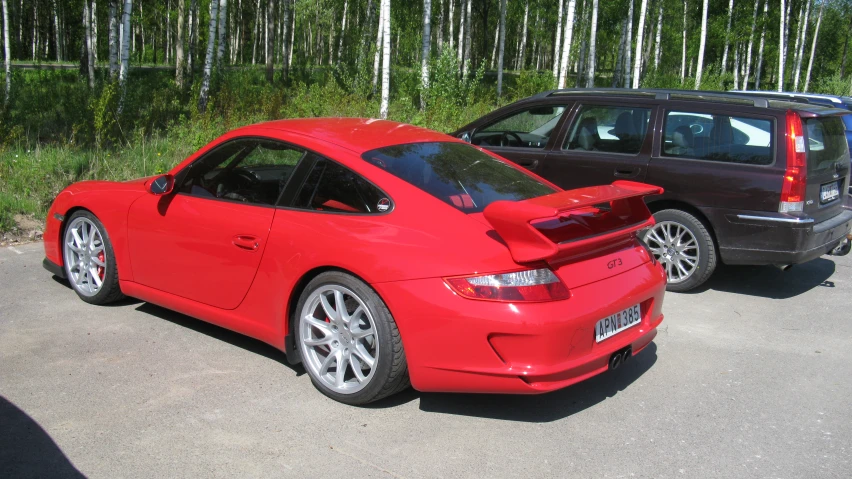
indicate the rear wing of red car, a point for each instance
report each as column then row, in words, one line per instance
column 571, row 222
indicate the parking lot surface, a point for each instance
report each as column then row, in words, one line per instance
column 748, row 377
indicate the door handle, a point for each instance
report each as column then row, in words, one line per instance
column 527, row 163
column 246, row 242
column 626, row 172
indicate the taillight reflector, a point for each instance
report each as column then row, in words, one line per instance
column 530, row 285
column 795, row 176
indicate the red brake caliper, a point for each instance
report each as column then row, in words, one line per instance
column 102, row 259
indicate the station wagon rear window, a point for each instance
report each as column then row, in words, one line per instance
column 722, row 138
column 457, row 174
column 826, row 143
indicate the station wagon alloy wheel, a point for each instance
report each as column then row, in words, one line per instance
column 676, row 248
column 338, row 336
column 85, row 256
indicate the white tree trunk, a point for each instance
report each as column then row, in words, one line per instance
column 800, row 46
column 192, row 36
column 426, row 44
column 467, row 42
column 759, row 69
column 750, row 45
column 452, row 37
column 813, row 48
column 223, row 17
column 269, row 39
column 566, row 43
column 501, row 44
column 440, row 34
column 94, row 17
column 113, row 39
column 658, row 52
column 736, row 66
column 782, row 50
column 683, row 50
column 287, row 40
column 556, row 45
column 637, row 61
column 7, row 51
column 342, row 30
column 522, row 52
column 619, row 60
column 701, row 46
column 208, row 59
column 628, row 52
column 798, row 38
column 255, row 34
column 460, row 45
column 379, row 37
column 727, row 37
column 383, row 109
column 87, row 29
column 57, row 35
column 593, row 33
column 125, row 51
column 496, row 41
column 179, row 66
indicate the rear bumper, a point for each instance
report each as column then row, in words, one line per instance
column 759, row 238
column 453, row 344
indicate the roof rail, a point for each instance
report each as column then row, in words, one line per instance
column 666, row 94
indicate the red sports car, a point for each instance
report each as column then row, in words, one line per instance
column 378, row 254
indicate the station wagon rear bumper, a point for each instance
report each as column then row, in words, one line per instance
column 758, row 238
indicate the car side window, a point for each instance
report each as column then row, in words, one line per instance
column 248, row 171
column 609, row 129
column 714, row 137
column 529, row 128
column 333, row 187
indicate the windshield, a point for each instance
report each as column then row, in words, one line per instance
column 826, row 143
column 457, row 174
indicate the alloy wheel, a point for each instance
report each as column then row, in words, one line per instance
column 338, row 339
column 676, row 248
column 85, row 257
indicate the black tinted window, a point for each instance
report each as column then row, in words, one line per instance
column 609, row 129
column 826, row 143
column 332, row 187
column 723, row 138
column 457, row 174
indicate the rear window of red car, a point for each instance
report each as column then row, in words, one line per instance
column 457, row 174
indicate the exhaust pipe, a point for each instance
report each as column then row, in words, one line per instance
column 620, row 357
column 843, row 248
column 783, row 267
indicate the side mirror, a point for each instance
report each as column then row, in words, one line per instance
column 162, row 185
column 465, row 136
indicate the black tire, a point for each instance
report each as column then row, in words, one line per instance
column 707, row 257
column 110, row 290
column 391, row 368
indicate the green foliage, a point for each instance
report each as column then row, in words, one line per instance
column 833, row 85
column 530, row 82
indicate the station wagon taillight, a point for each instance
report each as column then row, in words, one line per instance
column 795, row 177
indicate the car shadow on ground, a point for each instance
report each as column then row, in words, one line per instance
column 26, row 450
column 226, row 335
column 534, row 408
column 770, row 282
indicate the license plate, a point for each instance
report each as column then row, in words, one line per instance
column 617, row 323
column 829, row 192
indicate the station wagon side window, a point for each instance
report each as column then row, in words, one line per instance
column 714, row 137
column 528, row 128
column 250, row 170
column 609, row 129
column 334, row 188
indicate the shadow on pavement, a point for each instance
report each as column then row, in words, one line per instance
column 537, row 408
column 26, row 450
column 222, row 334
column 769, row 281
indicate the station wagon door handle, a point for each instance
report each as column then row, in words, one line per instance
column 527, row 163
column 626, row 172
column 246, row 242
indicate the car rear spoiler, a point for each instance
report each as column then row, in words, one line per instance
column 514, row 220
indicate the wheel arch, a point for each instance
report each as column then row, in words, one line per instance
column 660, row 205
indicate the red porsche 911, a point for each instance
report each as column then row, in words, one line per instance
column 377, row 254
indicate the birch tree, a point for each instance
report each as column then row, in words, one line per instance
column 209, row 57
column 440, row 34
column 56, row 32
column 683, row 50
column 7, row 51
column 566, row 43
column 125, row 51
column 619, row 59
column 593, row 33
column 426, row 43
column 750, row 44
column 269, row 39
column 701, row 46
column 727, row 37
column 287, row 40
column 800, row 45
column 658, row 52
column 762, row 43
column 628, row 51
column 501, row 42
column 813, row 47
column 87, row 43
column 637, row 61
column 522, row 51
column 223, row 17
column 560, row 5
column 113, row 39
column 466, row 58
column 460, row 46
column 179, row 45
column 383, row 109
column 782, row 50
column 380, row 30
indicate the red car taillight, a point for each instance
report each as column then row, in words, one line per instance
column 529, row 285
column 795, row 177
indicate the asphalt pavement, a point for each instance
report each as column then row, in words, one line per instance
column 748, row 377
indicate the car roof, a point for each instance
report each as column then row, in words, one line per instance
column 355, row 134
column 838, row 99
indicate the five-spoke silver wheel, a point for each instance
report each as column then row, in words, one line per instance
column 338, row 339
column 85, row 256
column 676, row 248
